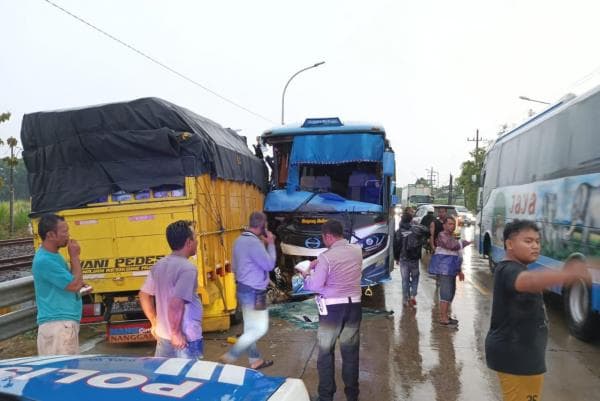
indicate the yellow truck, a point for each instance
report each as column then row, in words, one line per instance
column 119, row 174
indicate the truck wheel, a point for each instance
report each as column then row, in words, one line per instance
column 487, row 248
column 236, row 317
column 577, row 304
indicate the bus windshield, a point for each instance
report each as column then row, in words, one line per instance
column 353, row 181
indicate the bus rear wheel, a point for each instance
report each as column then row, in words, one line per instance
column 581, row 319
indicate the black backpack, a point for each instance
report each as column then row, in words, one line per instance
column 408, row 242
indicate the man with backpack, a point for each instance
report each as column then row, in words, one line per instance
column 408, row 242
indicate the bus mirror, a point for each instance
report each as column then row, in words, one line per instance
column 389, row 167
column 479, row 199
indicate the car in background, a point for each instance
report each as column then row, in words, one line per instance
column 466, row 216
column 422, row 211
column 104, row 377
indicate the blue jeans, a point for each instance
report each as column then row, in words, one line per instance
column 193, row 350
column 342, row 321
column 409, row 270
column 256, row 324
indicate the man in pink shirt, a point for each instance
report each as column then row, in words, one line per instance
column 335, row 275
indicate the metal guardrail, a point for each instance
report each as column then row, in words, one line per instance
column 15, row 292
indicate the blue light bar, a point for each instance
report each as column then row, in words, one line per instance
column 322, row 122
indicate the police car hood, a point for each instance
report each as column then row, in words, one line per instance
column 91, row 377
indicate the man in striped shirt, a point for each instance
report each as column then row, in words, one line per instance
column 335, row 275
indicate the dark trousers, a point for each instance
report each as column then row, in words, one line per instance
column 343, row 322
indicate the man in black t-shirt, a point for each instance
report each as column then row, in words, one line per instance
column 515, row 345
column 437, row 226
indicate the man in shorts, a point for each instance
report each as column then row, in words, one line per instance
column 57, row 288
column 446, row 264
column 515, row 345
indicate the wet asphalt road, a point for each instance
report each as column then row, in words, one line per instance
column 408, row 356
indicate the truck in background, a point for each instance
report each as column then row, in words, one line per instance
column 119, row 174
column 416, row 194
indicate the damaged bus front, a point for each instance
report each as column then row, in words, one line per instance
column 325, row 169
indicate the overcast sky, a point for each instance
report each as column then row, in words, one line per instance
column 431, row 72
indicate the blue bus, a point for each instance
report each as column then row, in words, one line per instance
column 324, row 169
column 548, row 170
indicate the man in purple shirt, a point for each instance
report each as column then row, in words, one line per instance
column 169, row 297
column 335, row 275
column 252, row 262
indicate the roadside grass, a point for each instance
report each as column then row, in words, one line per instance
column 22, row 208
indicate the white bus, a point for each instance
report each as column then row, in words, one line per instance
column 548, row 170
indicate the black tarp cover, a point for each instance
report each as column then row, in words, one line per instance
column 74, row 157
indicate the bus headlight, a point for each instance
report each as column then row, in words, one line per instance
column 372, row 244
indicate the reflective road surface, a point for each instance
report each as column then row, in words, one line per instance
column 406, row 355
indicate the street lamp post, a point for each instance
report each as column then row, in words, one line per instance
column 532, row 100
column 288, row 82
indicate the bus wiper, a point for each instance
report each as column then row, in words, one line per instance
column 308, row 199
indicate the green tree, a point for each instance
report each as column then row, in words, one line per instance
column 422, row 181
column 20, row 180
column 3, row 117
column 18, row 166
column 470, row 176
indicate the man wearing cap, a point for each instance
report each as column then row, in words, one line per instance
column 335, row 276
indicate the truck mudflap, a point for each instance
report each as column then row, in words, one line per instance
column 129, row 332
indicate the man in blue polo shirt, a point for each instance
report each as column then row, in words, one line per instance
column 254, row 257
column 57, row 289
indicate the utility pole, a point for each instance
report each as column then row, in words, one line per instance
column 431, row 174
column 450, row 191
column 12, row 142
column 477, row 139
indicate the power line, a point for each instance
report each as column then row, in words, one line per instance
column 585, row 78
column 155, row 61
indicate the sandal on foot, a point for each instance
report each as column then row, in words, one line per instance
column 447, row 324
column 265, row 364
column 452, row 321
